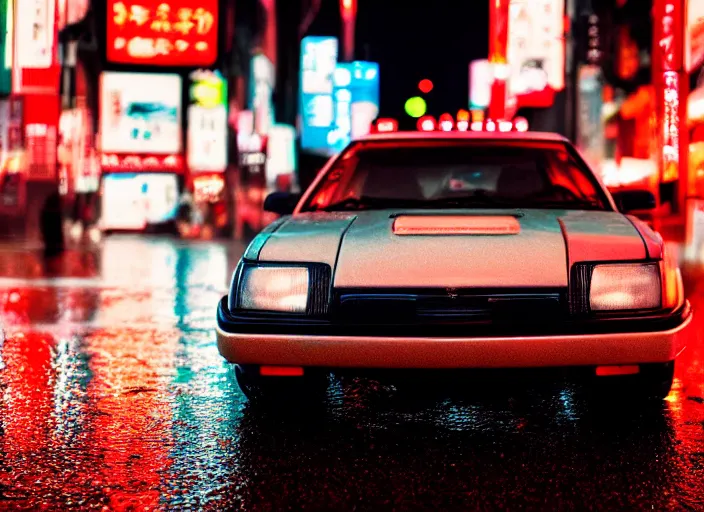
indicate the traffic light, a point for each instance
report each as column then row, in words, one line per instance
column 415, row 106
column 425, row 86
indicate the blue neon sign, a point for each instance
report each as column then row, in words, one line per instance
column 356, row 102
column 318, row 61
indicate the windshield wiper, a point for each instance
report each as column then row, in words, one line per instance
column 583, row 204
column 365, row 202
column 471, row 201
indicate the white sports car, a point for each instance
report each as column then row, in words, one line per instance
column 449, row 251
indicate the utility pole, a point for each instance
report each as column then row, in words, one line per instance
column 348, row 10
column 498, row 49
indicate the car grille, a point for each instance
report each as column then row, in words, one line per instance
column 396, row 307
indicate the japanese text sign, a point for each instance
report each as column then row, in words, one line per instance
column 157, row 33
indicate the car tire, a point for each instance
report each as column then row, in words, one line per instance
column 311, row 388
column 656, row 380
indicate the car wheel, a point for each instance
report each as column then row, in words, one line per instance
column 653, row 382
column 310, row 388
column 656, row 380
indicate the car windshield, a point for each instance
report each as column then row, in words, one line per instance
column 449, row 174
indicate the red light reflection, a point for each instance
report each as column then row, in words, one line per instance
column 133, row 430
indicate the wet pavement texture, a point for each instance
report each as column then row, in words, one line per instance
column 114, row 397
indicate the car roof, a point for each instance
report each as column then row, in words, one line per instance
column 468, row 135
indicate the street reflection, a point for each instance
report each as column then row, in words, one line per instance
column 114, row 396
column 131, row 413
column 465, row 453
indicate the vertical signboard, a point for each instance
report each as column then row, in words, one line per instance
column 262, row 84
column 35, row 68
column 318, row 62
column 35, row 76
column 207, row 122
column 536, row 51
column 590, row 132
column 77, row 163
column 6, row 34
column 281, row 157
column 480, row 79
column 41, row 119
column 356, row 102
column 36, row 35
column 341, row 132
column 671, row 85
column 365, row 97
column 11, row 151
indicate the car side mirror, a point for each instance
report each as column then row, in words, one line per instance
column 281, row 203
column 633, row 200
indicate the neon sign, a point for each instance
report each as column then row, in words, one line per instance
column 154, row 32
column 594, row 40
column 670, row 38
column 207, row 123
column 671, row 131
column 536, row 51
column 318, row 63
column 125, row 163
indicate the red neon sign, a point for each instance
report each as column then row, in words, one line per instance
column 671, row 127
column 159, row 33
column 670, row 41
column 141, row 163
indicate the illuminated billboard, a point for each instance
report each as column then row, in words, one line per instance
column 261, row 89
column 355, row 100
column 318, row 62
column 35, row 37
column 31, row 41
column 536, row 51
column 162, row 33
column 695, row 35
column 481, row 76
column 590, row 130
column 133, row 201
column 140, row 113
column 77, row 162
column 365, row 97
column 207, row 122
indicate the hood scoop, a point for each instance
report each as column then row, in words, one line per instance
column 405, row 225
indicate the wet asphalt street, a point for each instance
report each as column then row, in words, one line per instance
column 114, row 397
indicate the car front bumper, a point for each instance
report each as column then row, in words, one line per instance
column 427, row 352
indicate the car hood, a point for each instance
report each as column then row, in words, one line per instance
column 364, row 250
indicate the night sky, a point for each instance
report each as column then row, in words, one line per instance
column 415, row 40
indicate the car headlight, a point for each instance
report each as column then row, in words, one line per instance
column 273, row 288
column 625, row 287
